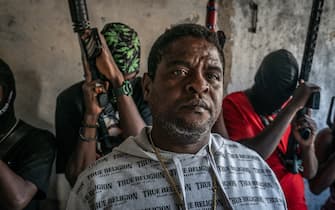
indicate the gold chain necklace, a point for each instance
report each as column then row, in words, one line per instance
column 9, row 132
column 173, row 183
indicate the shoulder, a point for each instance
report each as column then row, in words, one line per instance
column 34, row 144
column 108, row 168
column 236, row 103
column 38, row 137
column 112, row 161
column 241, row 164
column 238, row 96
column 227, row 146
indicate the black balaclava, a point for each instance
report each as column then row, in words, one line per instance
column 7, row 82
column 275, row 81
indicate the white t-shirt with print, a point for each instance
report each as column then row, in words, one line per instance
column 131, row 177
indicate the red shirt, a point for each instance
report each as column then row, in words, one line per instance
column 243, row 122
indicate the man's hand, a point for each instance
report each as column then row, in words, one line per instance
column 106, row 64
column 91, row 89
column 309, row 160
column 302, row 94
column 303, row 122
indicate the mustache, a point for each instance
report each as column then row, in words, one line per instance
column 196, row 102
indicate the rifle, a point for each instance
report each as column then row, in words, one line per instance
column 91, row 47
column 291, row 159
column 307, row 60
column 89, row 40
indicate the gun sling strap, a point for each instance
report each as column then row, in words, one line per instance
column 14, row 137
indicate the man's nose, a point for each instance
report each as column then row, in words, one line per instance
column 197, row 83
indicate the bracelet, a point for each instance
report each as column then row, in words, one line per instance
column 83, row 138
column 85, row 125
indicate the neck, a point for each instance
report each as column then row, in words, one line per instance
column 178, row 144
column 255, row 102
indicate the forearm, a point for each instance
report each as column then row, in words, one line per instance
column 15, row 192
column 267, row 141
column 309, row 162
column 83, row 156
column 131, row 121
column 84, row 153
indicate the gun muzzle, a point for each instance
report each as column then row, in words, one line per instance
column 79, row 15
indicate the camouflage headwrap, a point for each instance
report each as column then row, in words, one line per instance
column 124, row 45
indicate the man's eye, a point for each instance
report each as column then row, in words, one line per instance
column 180, row 72
column 212, row 76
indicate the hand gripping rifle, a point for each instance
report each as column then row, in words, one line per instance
column 91, row 47
column 291, row 158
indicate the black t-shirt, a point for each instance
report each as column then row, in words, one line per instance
column 69, row 116
column 31, row 158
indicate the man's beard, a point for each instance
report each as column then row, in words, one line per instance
column 178, row 128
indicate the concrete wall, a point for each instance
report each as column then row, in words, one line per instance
column 38, row 43
column 37, row 40
column 283, row 24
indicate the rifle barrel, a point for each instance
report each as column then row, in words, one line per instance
column 310, row 43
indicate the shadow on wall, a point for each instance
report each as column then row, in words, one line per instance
column 27, row 105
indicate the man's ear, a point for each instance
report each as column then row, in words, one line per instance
column 146, row 86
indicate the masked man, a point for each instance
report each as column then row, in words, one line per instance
column 26, row 153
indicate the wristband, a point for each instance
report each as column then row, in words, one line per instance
column 83, row 138
column 125, row 89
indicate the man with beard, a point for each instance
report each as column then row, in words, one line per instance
column 177, row 163
column 26, row 153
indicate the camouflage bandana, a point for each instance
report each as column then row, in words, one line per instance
column 124, row 45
